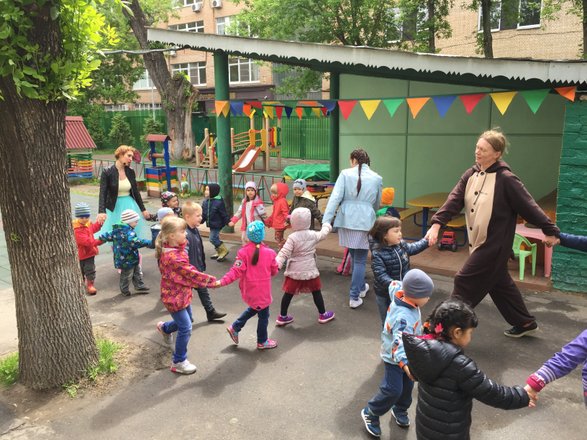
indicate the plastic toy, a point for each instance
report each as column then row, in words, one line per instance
column 448, row 241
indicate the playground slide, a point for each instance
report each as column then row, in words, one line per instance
column 247, row 159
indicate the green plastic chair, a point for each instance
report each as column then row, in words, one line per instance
column 521, row 254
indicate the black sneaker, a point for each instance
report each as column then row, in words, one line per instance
column 125, row 292
column 519, row 331
column 371, row 422
column 142, row 289
column 401, row 418
column 213, row 315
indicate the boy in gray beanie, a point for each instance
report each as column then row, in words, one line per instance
column 87, row 245
column 304, row 199
column 403, row 316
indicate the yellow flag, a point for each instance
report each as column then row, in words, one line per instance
column 369, row 106
column 502, row 100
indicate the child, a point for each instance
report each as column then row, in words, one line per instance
column 448, row 380
column 301, row 272
column 251, row 209
column 178, row 277
column 126, row 246
column 192, row 214
column 254, row 265
column 561, row 364
column 278, row 218
column 87, row 245
column 161, row 214
column 304, row 199
column 215, row 216
column 170, row 200
column 395, row 391
column 387, row 196
column 390, row 257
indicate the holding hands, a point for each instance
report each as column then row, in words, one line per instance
column 551, row 240
column 432, row 234
column 532, row 394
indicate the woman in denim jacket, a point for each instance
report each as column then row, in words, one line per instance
column 356, row 195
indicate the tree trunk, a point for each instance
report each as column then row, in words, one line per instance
column 177, row 93
column 584, row 16
column 487, row 37
column 432, row 26
column 55, row 339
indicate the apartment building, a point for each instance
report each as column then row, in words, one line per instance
column 248, row 79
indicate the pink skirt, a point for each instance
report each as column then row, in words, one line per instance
column 301, row 286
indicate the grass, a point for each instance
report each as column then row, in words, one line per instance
column 9, row 369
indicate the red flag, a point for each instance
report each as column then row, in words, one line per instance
column 346, row 107
column 471, row 101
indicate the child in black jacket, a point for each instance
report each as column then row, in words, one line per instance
column 214, row 215
column 448, row 380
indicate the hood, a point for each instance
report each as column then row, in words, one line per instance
column 76, row 224
column 282, row 191
column 428, row 358
column 300, row 219
column 308, row 195
column 214, row 189
column 500, row 164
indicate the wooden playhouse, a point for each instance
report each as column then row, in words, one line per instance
column 79, row 145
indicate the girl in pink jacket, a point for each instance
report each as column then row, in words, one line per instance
column 301, row 272
column 178, row 278
column 254, row 266
column 251, row 209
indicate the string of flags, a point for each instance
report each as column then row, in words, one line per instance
column 324, row 107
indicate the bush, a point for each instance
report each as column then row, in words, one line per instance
column 120, row 133
column 152, row 126
column 9, row 369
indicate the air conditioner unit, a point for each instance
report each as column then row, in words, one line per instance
column 216, row 3
column 197, row 7
column 172, row 53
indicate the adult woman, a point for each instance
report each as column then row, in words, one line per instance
column 358, row 192
column 119, row 191
column 492, row 197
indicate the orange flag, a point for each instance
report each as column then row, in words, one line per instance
column 299, row 112
column 567, row 92
column 222, row 108
column 416, row 105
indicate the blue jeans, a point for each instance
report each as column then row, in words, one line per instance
column 395, row 391
column 215, row 237
column 204, row 296
column 383, row 303
column 182, row 324
column 359, row 259
column 261, row 324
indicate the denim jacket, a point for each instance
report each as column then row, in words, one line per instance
column 356, row 212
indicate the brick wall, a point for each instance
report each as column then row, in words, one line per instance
column 569, row 270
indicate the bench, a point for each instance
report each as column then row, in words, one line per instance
column 459, row 224
column 410, row 212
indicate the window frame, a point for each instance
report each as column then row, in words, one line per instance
column 197, row 66
column 530, row 26
column 240, row 62
column 147, row 78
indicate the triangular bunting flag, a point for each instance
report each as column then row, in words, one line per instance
column 534, row 98
column 268, row 110
column 443, row 103
column 256, row 104
column 307, row 111
column 502, row 100
column 317, row 111
column 288, row 111
column 328, row 104
column 416, row 105
column 346, row 107
column 392, row 105
column 567, row 92
column 369, row 106
column 299, row 112
column 325, row 111
column 247, row 109
column 222, row 108
column 471, row 101
column 309, row 103
column 279, row 112
column 236, row 107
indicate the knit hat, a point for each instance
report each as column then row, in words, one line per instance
column 166, row 197
column 416, row 284
column 299, row 183
column 251, row 184
column 387, row 196
column 129, row 216
column 256, row 231
column 214, row 189
column 164, row 212
column 82, row 210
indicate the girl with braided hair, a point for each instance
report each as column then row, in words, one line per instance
column 356, row 195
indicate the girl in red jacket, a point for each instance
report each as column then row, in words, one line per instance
column 277, row 219
column 254, row 265
column 87, row 245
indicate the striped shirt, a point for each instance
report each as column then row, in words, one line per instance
column 353, row 239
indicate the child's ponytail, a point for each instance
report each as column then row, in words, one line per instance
column 361, row 157
column 256, row 254
column 450, row 313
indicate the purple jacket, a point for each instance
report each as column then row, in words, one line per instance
column 562, row 363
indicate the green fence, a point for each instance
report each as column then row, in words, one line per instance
column 306, row 138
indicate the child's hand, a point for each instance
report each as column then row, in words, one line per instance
column 409, row 373
column 217, row 284
column 231, row 224
column 532, row 394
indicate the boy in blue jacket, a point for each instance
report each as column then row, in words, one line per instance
column 214, row 215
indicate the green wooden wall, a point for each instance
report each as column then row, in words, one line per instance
column 428, row 154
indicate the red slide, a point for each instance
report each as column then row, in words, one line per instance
column 247, row 159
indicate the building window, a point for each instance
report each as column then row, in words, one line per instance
column 243, row 70
column 222, row 25
column 182, row 3
column 116, row 107
column 196, row 72
column 147, row 106
column 513, row 14
column 144, row 83
column 193, row 26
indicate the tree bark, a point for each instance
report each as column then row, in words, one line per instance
column 432, row 26
column 177, row 93
column 486, row 24
column 584, row 22
column 55, row 339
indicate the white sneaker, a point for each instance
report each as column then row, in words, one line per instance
column 167, row 337
column 184, row 367
column 354, row 303
column 363, row 293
